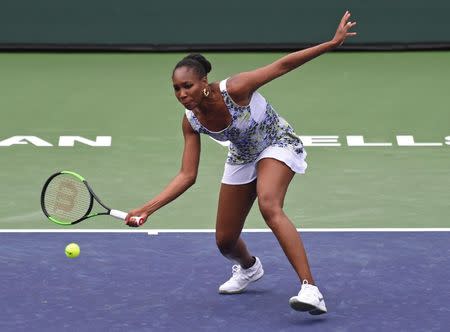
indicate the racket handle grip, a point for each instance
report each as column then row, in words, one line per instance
column 118, row 214
column 122, row 215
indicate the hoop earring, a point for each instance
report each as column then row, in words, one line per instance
column 206, row 92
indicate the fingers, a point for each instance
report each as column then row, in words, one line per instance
column 347, row 26
column 345, row 17
column 342, row 31
column 135, row 221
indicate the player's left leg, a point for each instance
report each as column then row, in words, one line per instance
column 272, row 183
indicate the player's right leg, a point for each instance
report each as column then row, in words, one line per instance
column 273, row 180
column 235, row 202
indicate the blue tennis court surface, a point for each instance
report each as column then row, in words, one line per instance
column 372, row 281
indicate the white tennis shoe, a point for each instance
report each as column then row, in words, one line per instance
column 308, row 299
column 241, row 278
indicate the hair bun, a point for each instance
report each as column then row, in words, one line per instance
column 202, row 60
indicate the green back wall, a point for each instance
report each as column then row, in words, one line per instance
column 260, row 24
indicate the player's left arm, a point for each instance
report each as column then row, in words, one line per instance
column 242, row 85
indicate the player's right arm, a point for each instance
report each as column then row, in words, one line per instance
column 185, row 178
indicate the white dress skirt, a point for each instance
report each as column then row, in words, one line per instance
column 246, row 173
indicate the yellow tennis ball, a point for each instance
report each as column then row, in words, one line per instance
column 72, row 250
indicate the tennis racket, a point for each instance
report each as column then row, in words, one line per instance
column 67, row 199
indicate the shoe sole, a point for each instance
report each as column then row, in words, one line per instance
column 316, row 312
column 239, row 291
column 302, row 306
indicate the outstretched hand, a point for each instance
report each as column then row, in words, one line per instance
column 342, row 31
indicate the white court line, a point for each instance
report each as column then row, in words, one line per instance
column 249, row 230
column 309, row 230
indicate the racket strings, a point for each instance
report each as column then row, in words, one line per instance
column 67, row 199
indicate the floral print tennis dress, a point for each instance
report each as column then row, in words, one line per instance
column 256, row 131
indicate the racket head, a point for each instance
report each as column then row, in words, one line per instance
column 66, row 198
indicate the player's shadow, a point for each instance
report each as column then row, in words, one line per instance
column 256, row 291
column 266, row 307
column 305, row 319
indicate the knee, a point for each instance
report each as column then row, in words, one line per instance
column 270, row 209
column 225, row 244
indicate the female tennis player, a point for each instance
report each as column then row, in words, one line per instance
column 264, row 154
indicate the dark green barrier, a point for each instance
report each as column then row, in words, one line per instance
column 245, row 24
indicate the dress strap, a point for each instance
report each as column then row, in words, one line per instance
column 223, row 85
column 193, row 121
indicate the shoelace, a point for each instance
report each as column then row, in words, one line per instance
column 235, row 270
column 238, row 273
